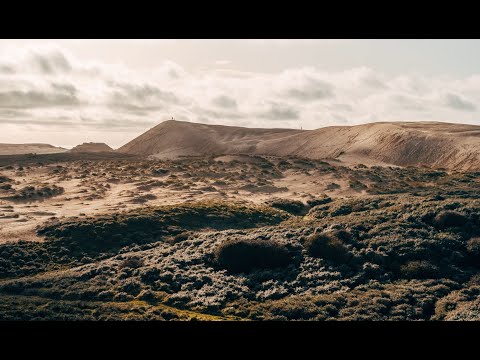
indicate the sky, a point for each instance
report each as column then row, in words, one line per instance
column 66, row 92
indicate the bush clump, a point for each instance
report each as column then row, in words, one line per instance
column 294, row 207
column 132, row 262
column 245, row 255
column 319, row 201
column 419, row 270
column 447, row 219
column 327, row 245
column 473, row 246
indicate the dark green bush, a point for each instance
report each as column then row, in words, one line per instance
column 245, row 255
column 327, row 245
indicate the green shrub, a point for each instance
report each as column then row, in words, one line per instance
column 245, row 255
column 327, row 245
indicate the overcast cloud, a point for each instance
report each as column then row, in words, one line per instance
column 48, row 90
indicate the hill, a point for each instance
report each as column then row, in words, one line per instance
column 171, row 139
column 433, row 144
column 18, row 149
column 92, row 147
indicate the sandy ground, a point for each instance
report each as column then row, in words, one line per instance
column 103, row 187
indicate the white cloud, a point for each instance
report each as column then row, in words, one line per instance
column 458, row 102
column 49, row 88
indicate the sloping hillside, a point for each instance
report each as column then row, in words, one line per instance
column 453, row 146
column 172, row 138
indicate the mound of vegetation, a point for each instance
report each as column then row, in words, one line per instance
column 245, row 255
column 473, row 249
column 419, row 269
column 32, row 193
column 447, row 219
column 294, row 207
column 328, row 245
column 149, row 224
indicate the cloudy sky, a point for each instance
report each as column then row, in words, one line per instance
column 66, row 92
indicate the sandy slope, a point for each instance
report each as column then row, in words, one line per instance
column 92, row 147
column 452, row 146
column 15, row 149
column 172, row 139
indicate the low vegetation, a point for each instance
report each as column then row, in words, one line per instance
column 374, row 243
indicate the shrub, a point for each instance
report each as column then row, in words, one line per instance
column 295, row 207
column 180, row 237
column 473, row 250
column 327, row 245
column 473, row 246
column 474, row 280
column 446, row 219
column 245, row 255
column 131, row 286
column 132, row 262
column 419, row 270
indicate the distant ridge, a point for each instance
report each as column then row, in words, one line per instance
column 433, row 144
column 18, row 149
column 92, row 147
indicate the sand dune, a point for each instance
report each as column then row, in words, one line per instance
column 172, row 139
column 92, row 147
column 16, row 149
column 439, row 145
